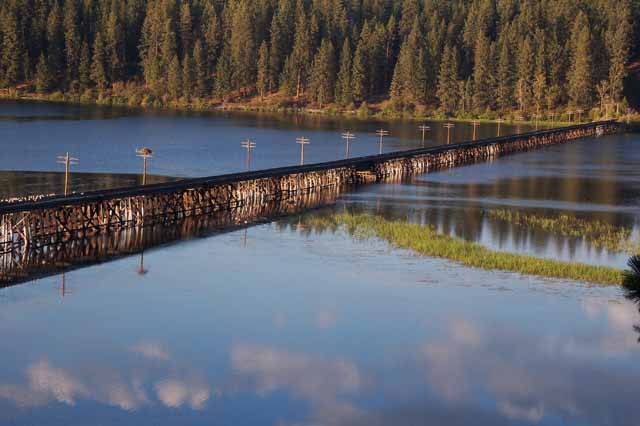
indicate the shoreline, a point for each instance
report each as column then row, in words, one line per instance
column 205, row 106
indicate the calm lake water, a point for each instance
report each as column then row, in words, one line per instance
column 286, row 324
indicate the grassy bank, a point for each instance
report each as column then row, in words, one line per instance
column 426, row 241
column 132, row 96
column 597, row 233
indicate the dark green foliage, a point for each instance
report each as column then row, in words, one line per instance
column 174, row 79
column 323, row 74
column 344, row 88
column 539, row 56
column 43, row 81
column 631, row 281
column 201, row 84
column 448, row 81
column 84, row 68
column 98, row 67
column 263, row 83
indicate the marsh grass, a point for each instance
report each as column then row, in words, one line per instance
column 597, row 233
column 425, row 240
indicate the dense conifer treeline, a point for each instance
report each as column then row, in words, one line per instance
column 457, row 56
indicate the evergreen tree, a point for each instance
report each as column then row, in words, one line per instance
column 72, row 40
column 482, row 75
column 323, row 77
column 114, row 46
column 525, row 72
column 188, row 76
column 98, row 68
column 504, row 80
column 264, row 73
column 580, row 74
column 223, row 76
column 298, row 62
column 174, row 80
column 619, row 37
column 448, row 81
column 359, row 73
column 344, row 93
column 43, row 82
column 242, row 46
column 201, row 86
column 11, row 49
column 276, row 51
column 55, row 42
column 186, row 27
column 84, row 68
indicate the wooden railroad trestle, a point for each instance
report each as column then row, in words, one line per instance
column 51, row 221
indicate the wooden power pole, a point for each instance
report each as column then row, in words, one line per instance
column 249, row 145
column 302, row 141
column 475, row 123
column 348, row 136
column 449, row 126
column 67, row 160
column 382, row 133
column 424, row 129
column 145, row 153
column 499, row 121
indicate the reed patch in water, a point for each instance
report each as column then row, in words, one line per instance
column 597, row 233
column 427, row 241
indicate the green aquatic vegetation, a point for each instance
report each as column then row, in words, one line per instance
column 427, row 241
column 597, row 233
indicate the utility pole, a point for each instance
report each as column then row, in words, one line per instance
column 249, row 145
column 570, row 115
column 579, row 112
column 348, row 136
column 145, row 153
column 382, row 133
column 424, row 129
column 475, row 124
column 449, row 126
column 67, row 160
column 499, row 121
column 302, row 141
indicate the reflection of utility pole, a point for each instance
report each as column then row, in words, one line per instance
column 424, row 130
column 302, row 141
column 249, row 145
column 244, row 240
column 499, row 121
column 449, row 126
column 63, row 290
column 348, row 136
column 145, row 153
column 67, row 160
column 475, row 124
column 141, row 270
column 382, row 133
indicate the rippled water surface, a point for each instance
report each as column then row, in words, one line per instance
column 286, row 323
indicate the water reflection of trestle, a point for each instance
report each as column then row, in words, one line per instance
column 33, row 261
column 31, row 227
